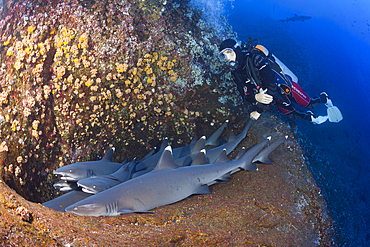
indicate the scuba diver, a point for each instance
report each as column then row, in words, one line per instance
column 262, row 79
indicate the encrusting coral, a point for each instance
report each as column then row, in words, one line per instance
column 77, row 77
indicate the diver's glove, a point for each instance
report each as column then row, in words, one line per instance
column 254, row 115
column 263, row 97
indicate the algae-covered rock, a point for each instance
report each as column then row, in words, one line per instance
column 79, row 77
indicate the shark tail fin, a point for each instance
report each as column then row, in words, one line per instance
column 263, row 156
column 245, row 162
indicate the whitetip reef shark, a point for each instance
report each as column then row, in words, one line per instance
column 231, row 144
column 86, row 169
column 60, row 203
column 296, row 18
column 97, row 184
column 64, row 185
column 166, row 184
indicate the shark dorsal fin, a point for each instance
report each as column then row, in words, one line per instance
column 150, row 153
column 232, row 136
column 108, row 156
column 166, row 161
column 128, row 159
column 125, row 172
column 222, row 158
column 200, row 145
column 241, row 152
column 164, row 144
column 200, row 158
column 194, row 140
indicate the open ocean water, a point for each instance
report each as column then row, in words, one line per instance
column 329, row 53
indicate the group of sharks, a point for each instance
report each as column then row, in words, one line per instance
column 106, row 188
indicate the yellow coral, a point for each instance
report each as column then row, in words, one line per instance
column 134, row 71
column 18, row 65
column 170, row 65
column 89, row 82
column 139, row 62
column 10, row 51
column 31, row 29
column 149, row 71
column 122, row 68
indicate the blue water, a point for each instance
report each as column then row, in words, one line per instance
column 330, row 53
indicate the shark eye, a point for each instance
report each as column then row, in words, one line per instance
column 70, row 170
column 94, row 186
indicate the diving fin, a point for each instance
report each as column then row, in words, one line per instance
column 334, row 113
column 319, row 119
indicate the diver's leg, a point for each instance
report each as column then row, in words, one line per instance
column 301, row 97
column 301, row 115
column 288, row 109
column 323, row 98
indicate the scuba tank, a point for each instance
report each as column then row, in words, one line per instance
column 285, row 70
column 285, row 76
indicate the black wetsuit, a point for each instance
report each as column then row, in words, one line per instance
column 266, row 77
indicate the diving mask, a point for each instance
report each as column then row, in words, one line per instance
column 227, row 55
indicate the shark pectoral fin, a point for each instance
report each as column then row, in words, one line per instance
column 224, row 179
column 203, row 189
column 143, row 212
column 250, row 167
column 125, row 211
column 263, row 160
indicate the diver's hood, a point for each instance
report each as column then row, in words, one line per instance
column 229, row 43
column 235, row 46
